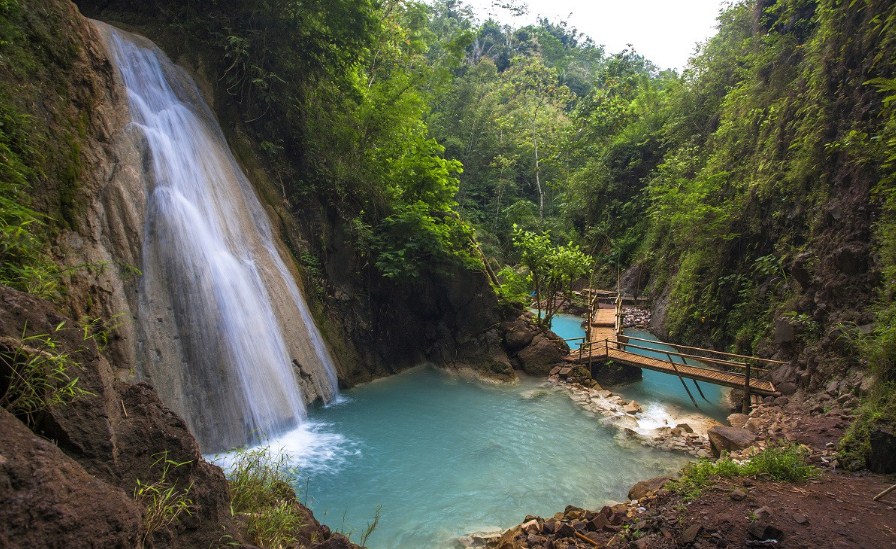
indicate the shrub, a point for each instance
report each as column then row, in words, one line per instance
column 878, row 410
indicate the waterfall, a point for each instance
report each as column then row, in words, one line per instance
column 225, row 334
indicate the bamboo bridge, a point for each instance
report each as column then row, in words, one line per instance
column 605, row 342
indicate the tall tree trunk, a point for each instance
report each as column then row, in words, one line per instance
column 538, row 173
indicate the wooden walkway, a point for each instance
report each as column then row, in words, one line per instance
column 607, row 342
column 603, row 324
column 615, row 350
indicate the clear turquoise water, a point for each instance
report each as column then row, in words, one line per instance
column 568, row 327
column 657, row 387
column 442, row 456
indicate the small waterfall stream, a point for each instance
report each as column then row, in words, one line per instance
column 226, row 336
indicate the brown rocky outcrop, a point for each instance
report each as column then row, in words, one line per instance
column 645, row 487
column 47, row 499
column 518, row 333
column 118, row 432
column 882, row 458
column 71, row 484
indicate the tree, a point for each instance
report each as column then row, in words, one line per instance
column 538, row 113
column 552, row 270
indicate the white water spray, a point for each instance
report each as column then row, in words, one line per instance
column 226, row 336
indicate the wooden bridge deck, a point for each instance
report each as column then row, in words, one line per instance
column 603, row 324
column 709, row 375
column 606, row 341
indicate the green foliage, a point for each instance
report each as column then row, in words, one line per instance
column 163, row 501
column 781, row 463
column 24, row 264
column 514, row 285
column 100, row 330
column 552, row 269
column 40, row 144
column 784, row 463
column 878, row 411
column 506, row 116
column 36, row 375
column 756, row 140
column 275, row 526
column 260, row 491
column 414, row 240
column 371, row 527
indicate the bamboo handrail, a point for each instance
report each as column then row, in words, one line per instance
column 710, row 360
column 621, row 347
column 753, row 358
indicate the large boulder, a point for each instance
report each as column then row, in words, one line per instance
column 785, row 330
column 517, row 334
column 616, row 373
column 729, row 439
column 542, row 354
column 738, row 420
column 47, row 499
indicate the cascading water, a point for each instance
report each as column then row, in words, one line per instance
column 226, row 336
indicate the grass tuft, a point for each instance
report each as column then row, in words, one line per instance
column 163, row 500
column 784, row 463
column 35, row 375
column 260, row 492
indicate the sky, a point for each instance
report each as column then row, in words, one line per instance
column 664, row 31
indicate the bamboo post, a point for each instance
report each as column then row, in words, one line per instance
column 699, row 390
column 885, row 492
column 681, row 379
column 745, row 407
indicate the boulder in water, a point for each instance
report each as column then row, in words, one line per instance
column 632, row 408
column 541, row 355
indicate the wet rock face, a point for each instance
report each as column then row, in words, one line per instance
column 73, row 486
column 114, row 436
